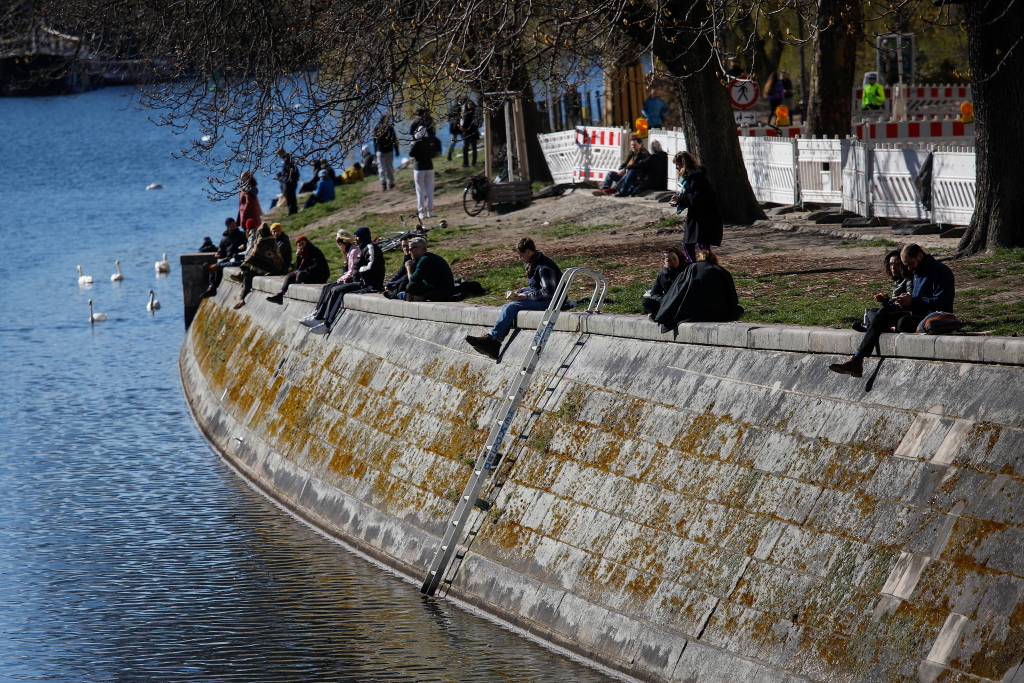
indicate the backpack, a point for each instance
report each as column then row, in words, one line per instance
column 939, row 323
column 479, row 188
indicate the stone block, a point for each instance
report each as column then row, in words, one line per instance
column 795, row 339
column 840, row 342
column 959, row 348
column 914, row 345
column 1004, row 351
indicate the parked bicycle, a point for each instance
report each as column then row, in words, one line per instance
column 390, row 241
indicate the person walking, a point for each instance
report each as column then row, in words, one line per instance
column 654, row 110
column 422, row 151
column 288, row 176
column 775, row 91
column 542, row 278
column 386, row 142
column 470, row 128
column 703, row 226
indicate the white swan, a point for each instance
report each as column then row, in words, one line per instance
column 154, row 186
column 163, row 266
column 95, row 317
column 153, row 304
column 117, row 277
column 83, row 279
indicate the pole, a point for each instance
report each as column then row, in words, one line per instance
column 803, row 73
column 508, row 139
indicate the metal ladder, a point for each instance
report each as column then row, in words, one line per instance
column 486, row 460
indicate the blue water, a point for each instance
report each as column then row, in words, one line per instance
column 128, row 550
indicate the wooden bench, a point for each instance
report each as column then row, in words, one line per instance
column 507, row 193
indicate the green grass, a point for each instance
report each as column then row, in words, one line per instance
column 346, row 196
column 879, row 242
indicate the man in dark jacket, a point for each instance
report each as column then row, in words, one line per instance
column 386, row 142
column 649, row 173
column 310, row 268
column 288, row 176
column 398, row 281
column 543, row 276
column 613, row 180
column 430, row 276
column 232, row 242
column 933, row 292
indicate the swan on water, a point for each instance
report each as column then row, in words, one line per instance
column 154, row 186
column 153, row 304
column 83, row 279
column 95, row 317
column 163, row 266
column 117, row 277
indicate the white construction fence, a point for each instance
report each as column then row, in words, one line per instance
column 869, row 179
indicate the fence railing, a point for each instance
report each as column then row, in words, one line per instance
column 869, row 179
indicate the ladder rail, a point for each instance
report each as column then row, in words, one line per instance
column 503, row 421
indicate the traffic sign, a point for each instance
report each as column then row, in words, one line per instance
column 743, row 92
column 744, row 117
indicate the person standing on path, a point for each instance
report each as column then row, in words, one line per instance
column 933, row 291
column 703, row 226
column 542, row 278
column 422, row 151
column 654, row 110
column 288, row 176
column 248, row 200
column 470, row 129
column 386, row 142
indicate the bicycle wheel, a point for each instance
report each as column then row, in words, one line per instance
column 472, row 206
column 389, row 242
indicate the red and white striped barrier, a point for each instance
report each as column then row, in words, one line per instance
column 769, row 132
column 601, row 151
column 925, row 94
column 912, row 131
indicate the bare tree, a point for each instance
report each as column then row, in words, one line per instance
column 837, row 28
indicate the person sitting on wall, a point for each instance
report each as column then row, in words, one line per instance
column 649, row 173
column 902, row 283
column 874, row 94
column 542, row 278
column 263, row 259
column 310, row 268
column 703, row 293
column 368, row 277
column 324, row 190
column 398, row 281
column 353, row 175
column 430, row 276
column 933, row 291
column 675, row 263
column 284, row 245
column 207, row 247
column 613, row 180
column 230, row 252
column 346, row 242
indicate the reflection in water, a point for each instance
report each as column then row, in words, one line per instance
column 128, row 550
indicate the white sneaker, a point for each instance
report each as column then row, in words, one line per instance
column 321, row 329
column 422, row 216
column 310, row 322
column 430, row 215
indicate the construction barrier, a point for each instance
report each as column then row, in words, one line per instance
column 769, row 131
column 562, row 154
column 601, row 151
column 673, row 142
column 856, row 177
column 893, row 170
column 913, row 131
column 953, row 185
column 771, row 168
column 820, row 165
column 919, row 97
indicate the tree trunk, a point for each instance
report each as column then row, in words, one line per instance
column 994, row 31
column 705, row 108
column 833, row 67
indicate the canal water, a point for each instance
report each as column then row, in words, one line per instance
column 128, row 550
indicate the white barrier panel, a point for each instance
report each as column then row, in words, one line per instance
column 601, row 151
column 673, row 142
column 562, row 154
column 856, row 177
column 893, row 194
column 820, row 165
column 771, row 168
column 953, row 185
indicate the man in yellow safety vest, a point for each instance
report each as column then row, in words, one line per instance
column 874, row 94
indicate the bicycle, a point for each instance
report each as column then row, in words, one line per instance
column 390, row 241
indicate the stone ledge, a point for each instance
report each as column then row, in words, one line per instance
column 817, row 340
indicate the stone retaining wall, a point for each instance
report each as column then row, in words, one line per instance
column 711, row 506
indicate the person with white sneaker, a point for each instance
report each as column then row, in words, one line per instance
column 422, row 151
column 346, row 241
column 543, row 276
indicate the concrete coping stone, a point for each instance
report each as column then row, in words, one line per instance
column 817, row 340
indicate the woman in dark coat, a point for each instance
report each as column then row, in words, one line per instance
column 675, row 263
column 704, row 292
column 703, row 226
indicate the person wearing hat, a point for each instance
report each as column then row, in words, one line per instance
column 288, row 176
column 284, row 245
column 310, row 268
column 367, row 278
column 263, row 259
column 330, row 294
column 248, row 200
column 324, row 190
column 874, row 93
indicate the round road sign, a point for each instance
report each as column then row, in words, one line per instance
column 743, row 93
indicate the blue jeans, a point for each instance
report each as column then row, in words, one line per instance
column 508, row 316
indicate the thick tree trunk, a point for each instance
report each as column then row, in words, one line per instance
column 706, row 112
column 994, row 30
column 833, row 67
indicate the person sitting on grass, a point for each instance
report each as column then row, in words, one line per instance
column 353, row 175
column 902, row 283
column 542, row 278
column 933, row 291
column 264, row 259
column 346, row 242
column 703, row 293
column 675, row 263
column 324, row 190
column 310, row 268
